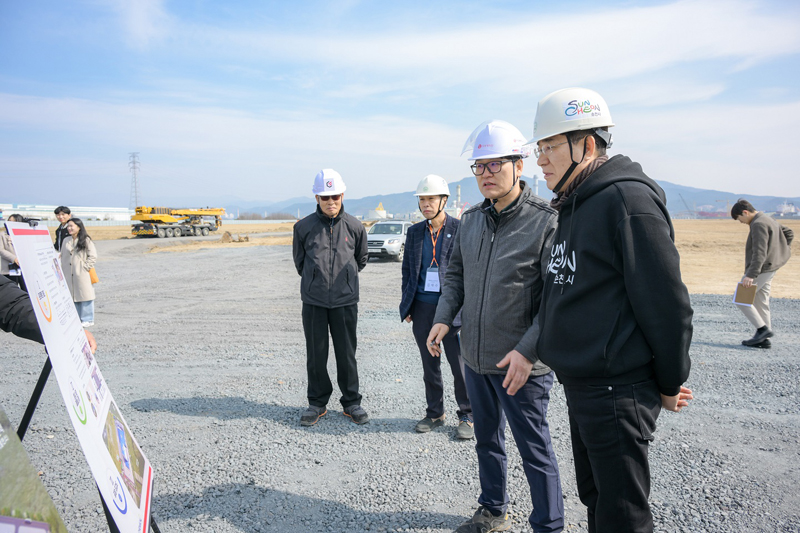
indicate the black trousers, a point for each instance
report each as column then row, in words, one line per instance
column 421, row 323
column 611, row 428
column 341, row 322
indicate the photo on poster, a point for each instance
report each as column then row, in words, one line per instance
column 57, row 270
column 87, row 354
column 127, row 456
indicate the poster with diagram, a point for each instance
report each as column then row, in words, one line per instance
column 120, row 468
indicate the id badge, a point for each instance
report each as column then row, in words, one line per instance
column 432, row 280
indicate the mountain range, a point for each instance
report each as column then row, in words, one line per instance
column 682, row 201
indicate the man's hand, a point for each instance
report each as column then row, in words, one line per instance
column 519, row 370
column 747, row 282
column 92, row 342
column 438, row 331
column 677, row 402
column 408, row 318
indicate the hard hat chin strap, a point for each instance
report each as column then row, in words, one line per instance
column 442, row 197
column 571, row 168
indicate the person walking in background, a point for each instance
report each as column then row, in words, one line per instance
column 330, row 249
column 427, row 254
column 9, row 264
column 495, row 279
column 63, row 214
column 78, row 256
column 615, row 317
column 768, row 248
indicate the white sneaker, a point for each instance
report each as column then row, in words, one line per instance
column 87, row 324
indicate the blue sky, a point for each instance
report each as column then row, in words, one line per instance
column 248, row 100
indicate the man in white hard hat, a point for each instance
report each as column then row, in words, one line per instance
column 495, row 278
column 330, row 249
column 615, row 317
column 429, row 245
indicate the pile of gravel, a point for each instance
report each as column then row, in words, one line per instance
column 205, row 355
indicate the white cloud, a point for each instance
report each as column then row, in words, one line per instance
column 143, row 21
column 740, row 148
column 230, row 150
column 538, row 52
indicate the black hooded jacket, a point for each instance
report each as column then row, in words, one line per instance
column 16, row 312
column 614, row 308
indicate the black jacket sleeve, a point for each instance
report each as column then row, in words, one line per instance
column 16, row 312
column 298, row 249
column 361, row 252
column 658, row 296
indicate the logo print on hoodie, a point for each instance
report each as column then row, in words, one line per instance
column 561, row 260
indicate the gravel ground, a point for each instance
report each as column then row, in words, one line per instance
column 204, row 353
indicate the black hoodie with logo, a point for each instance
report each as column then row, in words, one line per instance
column 614, row 309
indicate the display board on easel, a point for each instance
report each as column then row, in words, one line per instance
column 123, row 474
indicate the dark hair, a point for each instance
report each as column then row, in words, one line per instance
column 740, row 206
column 62, row 209
column 82, row 235
column 16, row 217
column 574, row 137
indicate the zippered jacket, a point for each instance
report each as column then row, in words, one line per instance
column 614, row 309
column 768, row 246
column 328, row 254
column 412, row 260
column 16, row 312
column 495, row 278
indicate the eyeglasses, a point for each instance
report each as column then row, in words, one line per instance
column 493, row 166
column 546, row 150
column 334, row 197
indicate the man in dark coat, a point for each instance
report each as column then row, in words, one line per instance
column 330, row 249
column 427, row 253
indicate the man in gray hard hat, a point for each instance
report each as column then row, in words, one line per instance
column 428, row 247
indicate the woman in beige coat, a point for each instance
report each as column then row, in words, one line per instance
column 78, row 255
column 8, row 257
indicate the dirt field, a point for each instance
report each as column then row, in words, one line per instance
column 712, row 257
column 712, row 251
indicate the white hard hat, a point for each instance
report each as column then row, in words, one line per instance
column 568, row 110
column 432, row 185
column 328, row 182
column 495, row 138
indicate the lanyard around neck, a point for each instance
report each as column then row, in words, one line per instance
column 434, row 240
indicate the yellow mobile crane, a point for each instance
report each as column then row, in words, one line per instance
column 175, row 222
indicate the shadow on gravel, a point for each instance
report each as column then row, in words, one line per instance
column 231, row 408
column 255, row 508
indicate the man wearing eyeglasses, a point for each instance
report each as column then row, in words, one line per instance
column 495, row 278
column 330, row 249
column 615, row 317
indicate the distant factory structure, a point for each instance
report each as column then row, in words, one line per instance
column 45, row 212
